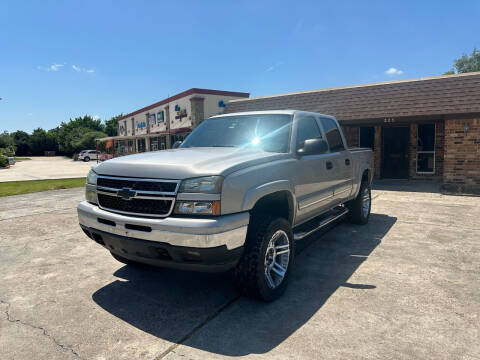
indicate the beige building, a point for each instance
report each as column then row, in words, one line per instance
column 159, row 125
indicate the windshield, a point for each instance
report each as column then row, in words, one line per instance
column 269, row 132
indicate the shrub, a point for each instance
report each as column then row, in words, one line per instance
column 3, row 161
column 8, row 151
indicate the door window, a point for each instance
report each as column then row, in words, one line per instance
column 426, row 149
column 332, row 133
column 307, row 128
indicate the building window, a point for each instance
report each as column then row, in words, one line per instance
column 154, row 144
column 160, row 117
column 333, row 135
column 426, row 149
column 151, row 119
column 367, row 137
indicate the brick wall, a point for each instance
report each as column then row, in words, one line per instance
column 439, row 153
column 352, row 135
column 462, row 156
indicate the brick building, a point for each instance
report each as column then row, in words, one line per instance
column 426, row 128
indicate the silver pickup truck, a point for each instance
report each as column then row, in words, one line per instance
column 236, row 194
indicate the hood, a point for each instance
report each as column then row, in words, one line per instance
column 185, row 163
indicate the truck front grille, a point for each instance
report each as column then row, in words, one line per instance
column 135, row 196
column 139, row 185
column 135, row 206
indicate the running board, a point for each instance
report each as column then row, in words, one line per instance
column 316, row 224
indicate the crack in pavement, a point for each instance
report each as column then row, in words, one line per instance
column 44, row 331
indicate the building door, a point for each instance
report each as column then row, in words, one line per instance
column 395, row 142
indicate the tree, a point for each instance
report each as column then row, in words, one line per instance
column 5, row 140
column 70, row 132
column 466, row 63
column 38, row 141
column 21, row 142
column 111, row 126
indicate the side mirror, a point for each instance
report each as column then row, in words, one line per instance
column 315, row 146
column 176, row 144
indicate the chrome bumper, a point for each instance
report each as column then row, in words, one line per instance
column 228, row 230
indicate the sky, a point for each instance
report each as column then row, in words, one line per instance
column 63, row 59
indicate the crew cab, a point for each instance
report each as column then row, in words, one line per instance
column 238, row 193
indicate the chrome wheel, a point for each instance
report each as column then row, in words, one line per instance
column 366, row 202
column 277, row 257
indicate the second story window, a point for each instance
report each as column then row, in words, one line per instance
column 160, row 117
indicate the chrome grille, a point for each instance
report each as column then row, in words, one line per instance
column 145, row 197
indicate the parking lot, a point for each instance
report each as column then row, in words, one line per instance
column 43, row 168
column 406, row 285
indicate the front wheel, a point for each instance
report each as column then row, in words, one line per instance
column 359, row 208
column 265, row 266
column 87, row 159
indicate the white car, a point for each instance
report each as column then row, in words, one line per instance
column 87, row 155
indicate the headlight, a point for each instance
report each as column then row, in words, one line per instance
column 206, row 184
column 91, row 187
column 198, row 207
column 92, row 177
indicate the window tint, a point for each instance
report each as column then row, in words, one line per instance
column 307, row 128
column 333, row 135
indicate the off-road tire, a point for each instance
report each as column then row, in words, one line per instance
column 249, row 274
column 356, row 214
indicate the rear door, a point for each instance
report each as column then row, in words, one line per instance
column 340, row 164
column 313, row 182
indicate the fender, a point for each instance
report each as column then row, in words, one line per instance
column 358, row 180
column 256, row 193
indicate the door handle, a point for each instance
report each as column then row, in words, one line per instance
column 347, row 162
column 329, row 165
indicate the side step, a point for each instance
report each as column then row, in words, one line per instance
column 317, row 223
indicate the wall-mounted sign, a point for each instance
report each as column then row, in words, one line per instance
column 141, row 125
column 181, row 114
column 389, row 120
column 221, row 103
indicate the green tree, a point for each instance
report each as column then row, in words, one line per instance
column 38, row 141
column 21, row 142
column 86, row 140
column 466, row 64
column 68, row 133
column 5, row 139
column 111, row 126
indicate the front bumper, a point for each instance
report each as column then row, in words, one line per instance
column 213, row 244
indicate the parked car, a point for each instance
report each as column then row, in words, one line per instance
column 87, row 155
column 237, row 194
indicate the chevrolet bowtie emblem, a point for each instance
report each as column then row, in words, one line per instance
column 126, row 193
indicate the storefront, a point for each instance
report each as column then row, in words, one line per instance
column 425, row 128
column 160, row 125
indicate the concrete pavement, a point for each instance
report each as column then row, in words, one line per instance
column 404, row 286
column 42, row 168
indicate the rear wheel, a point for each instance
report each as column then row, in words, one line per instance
column 265, row 266
column 359, row 208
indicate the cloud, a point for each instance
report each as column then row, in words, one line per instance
column 96, row 117
column 274, row 66
column 80, row 69
column 393, row 71
column 53, row 67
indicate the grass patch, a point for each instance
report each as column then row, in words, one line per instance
column 30, row 186
column 22, row 158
